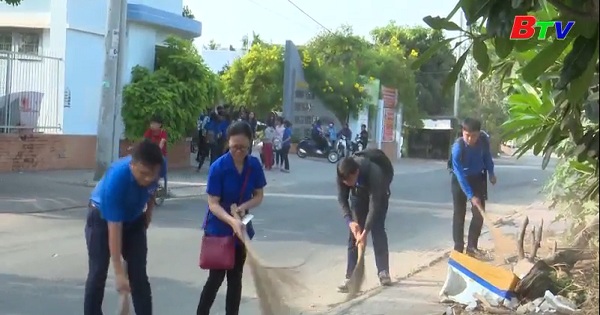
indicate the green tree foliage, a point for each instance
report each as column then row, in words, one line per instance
column 187, row 12
column 331, row 62
column 337, row 65
column 256, row 79
column 484, row 100
column 178, row 91
column 12, row 2
column 552, row 84
column 431, row 73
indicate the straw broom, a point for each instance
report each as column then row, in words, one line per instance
column 272, row 284
column 358, row 275
column 503, row 245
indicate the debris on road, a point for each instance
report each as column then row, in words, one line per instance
column 529, row 285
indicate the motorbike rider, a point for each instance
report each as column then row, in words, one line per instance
column 318, row 137
column 346, row 132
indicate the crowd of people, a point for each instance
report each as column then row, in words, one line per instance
column 273, row 137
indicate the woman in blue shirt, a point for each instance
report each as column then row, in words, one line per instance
column 234, row 178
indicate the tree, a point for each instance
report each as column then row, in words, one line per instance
column 212, row 45
column 12, row 2
column 255, row 80
column 552, row 86
column 430, row 74
column 331, row 62
column 187, row 12
column 178, row 91
column 484, row 100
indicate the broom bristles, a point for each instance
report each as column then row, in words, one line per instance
column 272, row 284
column 358, row 275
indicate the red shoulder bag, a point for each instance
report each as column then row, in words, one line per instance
column 218, row 252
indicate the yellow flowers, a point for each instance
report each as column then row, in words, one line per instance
column 414, row 53
column 359, row 87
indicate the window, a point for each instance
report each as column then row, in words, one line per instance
column 26, row 42
column 300, row 93
column 303, row 120
column 6, row 41
column 310, row 95
column 302, row 107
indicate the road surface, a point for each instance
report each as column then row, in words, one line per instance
column 43, row 260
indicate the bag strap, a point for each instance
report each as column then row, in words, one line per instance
column 244, row 185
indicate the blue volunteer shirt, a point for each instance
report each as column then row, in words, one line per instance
column 223, row 125
column 473, row 162
column 287, row 137
column 226, row 182
column 118, row 196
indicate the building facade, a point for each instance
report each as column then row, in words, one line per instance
column 52, row 58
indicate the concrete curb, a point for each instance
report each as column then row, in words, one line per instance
column 343, row 307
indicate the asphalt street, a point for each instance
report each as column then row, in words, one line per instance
column 43, row 261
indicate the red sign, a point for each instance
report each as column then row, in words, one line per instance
column 389, row 125
column 389, row 96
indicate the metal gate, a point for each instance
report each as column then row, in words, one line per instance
column 30, row 94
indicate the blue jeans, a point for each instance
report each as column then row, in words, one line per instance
column 135, row 252
column 165, row 177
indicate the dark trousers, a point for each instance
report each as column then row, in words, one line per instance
column 285, row 157
column 459, row 199
column 278, row 158
column 234, row 286
column 135, row 252
column 360, row 206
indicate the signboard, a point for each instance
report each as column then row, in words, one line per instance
column 389, row 96
column 389, row 124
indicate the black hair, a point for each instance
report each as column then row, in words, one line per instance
column 280, row 120
column 346, row 167
column 471, row 125
column 157, row 120
column 287, row 123
column 239, row 128
column 147, row 153
column 363, row 126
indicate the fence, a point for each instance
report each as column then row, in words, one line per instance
column 30, row 94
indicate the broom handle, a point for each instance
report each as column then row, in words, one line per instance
column 123, row 307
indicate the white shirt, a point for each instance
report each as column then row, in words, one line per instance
column 270, row 135
column 279, row 132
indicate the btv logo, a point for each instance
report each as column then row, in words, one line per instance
column 524, row 28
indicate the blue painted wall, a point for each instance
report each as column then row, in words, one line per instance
column 84, row 67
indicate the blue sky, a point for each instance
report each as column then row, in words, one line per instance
column 227, row 21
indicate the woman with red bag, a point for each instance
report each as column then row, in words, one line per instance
column 234, row 178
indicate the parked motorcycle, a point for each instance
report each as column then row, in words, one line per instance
column 308, row 148
column 357, row 145
column 343, row 146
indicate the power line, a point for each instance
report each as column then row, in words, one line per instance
column 277, row 13
column 309, row 16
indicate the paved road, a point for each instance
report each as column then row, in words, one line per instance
column 43, row 263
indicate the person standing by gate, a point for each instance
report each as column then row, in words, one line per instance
column 116, row 228
column 366, row 176
column 471, row 163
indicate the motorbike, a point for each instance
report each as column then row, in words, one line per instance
column 308, row 148
column 357, row 145
column 343, row 147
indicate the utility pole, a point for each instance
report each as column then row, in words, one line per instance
column 457, row 84
column 105, row 144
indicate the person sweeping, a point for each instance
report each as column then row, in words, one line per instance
column 365, row 179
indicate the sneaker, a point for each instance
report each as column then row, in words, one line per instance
column 343, row 288
column 319, row 152
column 284, row 170
column 384, row 278
column 475, row 253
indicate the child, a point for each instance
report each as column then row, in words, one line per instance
column 267, row 147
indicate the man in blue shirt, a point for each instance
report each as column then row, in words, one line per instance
column 116, row 228
column 471, row 161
